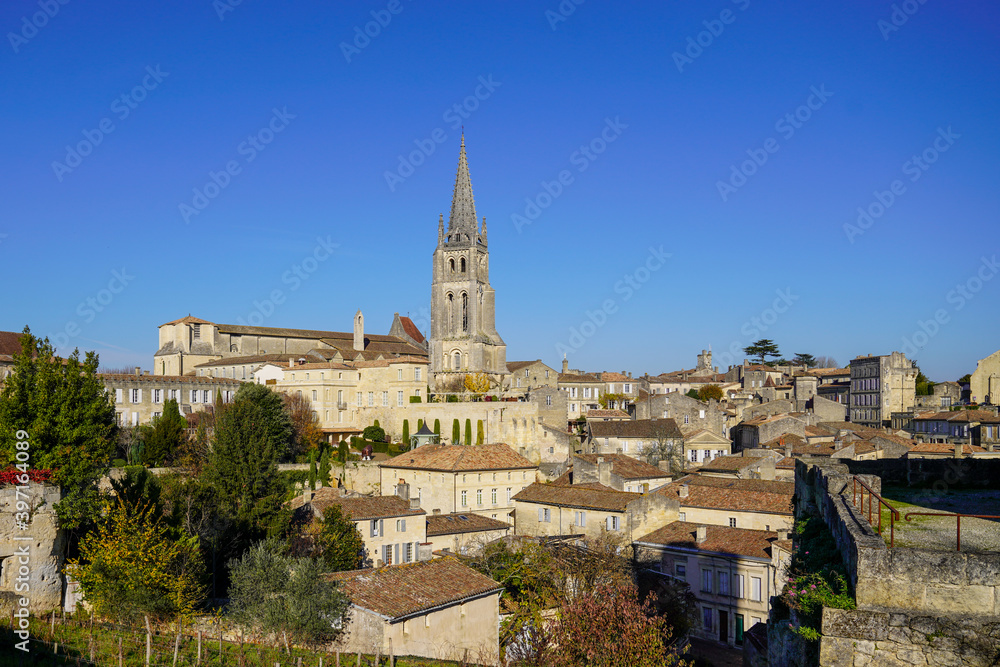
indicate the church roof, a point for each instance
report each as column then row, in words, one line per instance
column 463, row 206
column 411, row 329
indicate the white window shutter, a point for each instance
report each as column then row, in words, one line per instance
column 609, row 523
column 541, row 514
column 118, row 395
column 138, row 396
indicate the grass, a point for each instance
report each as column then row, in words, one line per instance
column 78, row 641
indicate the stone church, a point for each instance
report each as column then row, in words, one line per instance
column 463, row 336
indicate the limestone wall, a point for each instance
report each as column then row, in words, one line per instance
column 45, row 550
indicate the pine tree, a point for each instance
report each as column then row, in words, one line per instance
column 468, row 431
column 456, row 433
column 479, row 432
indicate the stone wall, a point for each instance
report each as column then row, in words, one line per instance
column 915, row 606
column 45, row 550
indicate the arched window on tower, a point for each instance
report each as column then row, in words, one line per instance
column 458, row 361
column 463, row 265
column 450, row 324
column 465, row 311
column 451, row 263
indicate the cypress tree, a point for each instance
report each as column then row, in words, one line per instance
column 479, row 432
column 437, row 426
column 324, row 467
column 456, row 433
column 312, row 470
column 406, row 431
column 468, row 431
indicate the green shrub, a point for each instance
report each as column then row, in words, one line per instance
column 119, row 463
column 406, row 430
column 414, row 399
column 374, row 433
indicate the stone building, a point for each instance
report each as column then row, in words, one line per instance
column 881, row 385
column 139, row 398
column 614, row 471
column 439, row 609
column 190, row 341
column 10, row 345
column 583, row 392
column 687, row 412
column 464, row 532
column 463, row 337
column 635, row 438
column 732, row 572
column 738, row 503
column 984, row 385
column 527, row 375
column 457, row 479
column 550, row 510
column 943, row 396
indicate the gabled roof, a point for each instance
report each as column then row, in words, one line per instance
column 187, row 320
column 583, row 377
column 358, row 508
column 718, row 539
column 625, row 466
column 731, row 463
column 518, row 365
column 576, row 496
column 411, row 329
column 453, row 524
column 944, row 448
column 608, row 414
column 458, row 458
column 400, row 591
column 10, row 343
column 636, row 428
column 746, row 495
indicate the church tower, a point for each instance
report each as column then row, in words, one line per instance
column 463, row 336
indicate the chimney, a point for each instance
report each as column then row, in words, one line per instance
column 684, row 490
column 307, row 495
column 403, row 490
column 291, row 362
column 958, row 451
column 414, row 503
column 788, row 451
column 359, row 331
column 783, row 534
column 436, row 511
column 138, row 371
column 604, row 471
column 701, row 533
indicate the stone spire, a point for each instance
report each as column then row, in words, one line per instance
column 483, row 233
column 463, row 206
column 440, row 228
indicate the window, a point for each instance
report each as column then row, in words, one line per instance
column 572, row 392
column 359, row 399
column 614, row 523
column 385, row 399
column 701, row 414
column 194, row 395
column 723, row 583
column 548, row 401
column 572, row 407
column 465, row 498
column 737, row 585
column 399, row 398
column 580, row 519
column 706, row 581
column 135, row 395
column 206, row 396
column 493, row 496
column 739, row 629
column 755, row 589
column 135, row 419
column 628, row 389
column 546, row 375
column 586, row 392
column 680, row 569
column 371, row 399
column 400, row 525
column 682, row 516
column 387, row 554
column 479, row 497
column 157, row 396
column 518, row 383
column 509, row 494
column 706, row 618
column 544, row 515
column 732, row 522
column 399, row 373
column 408, row 552
column 376, row 528
column 417, row 393
column 458, row 361
column 314, row 394
column 693, row 455
column 687, row 419
column 416, row 374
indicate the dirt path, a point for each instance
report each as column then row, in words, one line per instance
column 930, row 532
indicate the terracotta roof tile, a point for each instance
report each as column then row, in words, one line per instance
column 451, row 524
column 608, row 414
column 747, row 495
column 411, row 329
column 625, row 466
column 718, row 539
column 576, row 496
column 10, row 343
column 944, row 448
column 398, row 591
column 636, row 428
column 460, row 458
column 359, row 508
column 731, row 463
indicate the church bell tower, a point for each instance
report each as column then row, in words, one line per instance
column 463, row 336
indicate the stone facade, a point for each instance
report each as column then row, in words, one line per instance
column 689, row 413
column 463, row 336
column 139, row 398
column 46, row 545
column 984, row 386
column 881, row 385
column 528, row 375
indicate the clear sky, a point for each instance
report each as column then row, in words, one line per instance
column 165, row 158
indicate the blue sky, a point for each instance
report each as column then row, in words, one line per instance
column 739, row 138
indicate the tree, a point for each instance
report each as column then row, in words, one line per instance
column 762, row 349
column 406, row 431
column 965, row 379
column 608, row 401
column 373, row 433
column 479, row 432
column 130, row 565
column 710, row 392
column 251, row 436
column 924, row 386
column 437, row 426
column 468, row 431
column 338, row 542
column 324, row 467
column 580, row 635
column 69, row 419
column 826, row 362
column 693, row 393
column 312, row 470
column 274, row 592
column 163, row 437
column 477, row 383
column 804, row 359
column 456, row 433
column 305, row 425
column 665, row 447
column 342, row 451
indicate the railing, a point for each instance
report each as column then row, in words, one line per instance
column 859, row 490
column 958, row 521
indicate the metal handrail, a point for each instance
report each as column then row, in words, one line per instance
column 958, row 521
column 893, row 513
